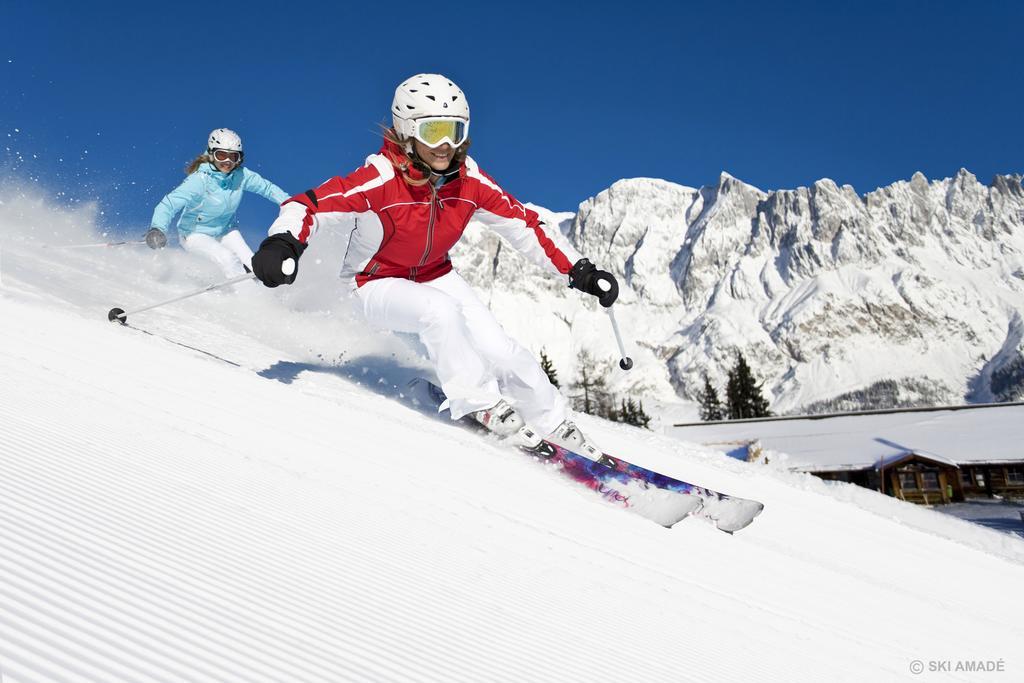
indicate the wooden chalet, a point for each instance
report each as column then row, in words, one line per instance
column 922, row 455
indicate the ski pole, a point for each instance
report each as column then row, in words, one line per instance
column 625, row 362
column 98, row 244
column 119, row 314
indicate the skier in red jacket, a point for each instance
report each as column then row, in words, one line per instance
column 413, row 200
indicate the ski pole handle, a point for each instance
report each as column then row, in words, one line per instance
column 625, row 362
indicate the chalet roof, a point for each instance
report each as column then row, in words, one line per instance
column 989, row 434
column 896, row 458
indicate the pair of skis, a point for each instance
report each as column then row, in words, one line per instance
column 655, row 496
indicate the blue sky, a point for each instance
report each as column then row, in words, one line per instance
column 108, row 100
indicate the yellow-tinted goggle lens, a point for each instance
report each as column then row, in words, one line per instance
column 433, row 132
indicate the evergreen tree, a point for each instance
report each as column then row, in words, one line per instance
column 642, row 418
column 590, row 394
column 632, row 413
column 743, row 395
column 549, row 369
column 590, row 389
column 710, row 405
column 627, row 411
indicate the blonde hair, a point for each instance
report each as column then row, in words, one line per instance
column 193, row 166
column 410, row 158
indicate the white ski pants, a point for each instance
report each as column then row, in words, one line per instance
column 229, row 252
column 476, row 362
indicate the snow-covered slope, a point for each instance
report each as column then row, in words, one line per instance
column 282, row 515
column 912, row 294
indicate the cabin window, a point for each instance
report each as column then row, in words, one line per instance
column 930, row 479
column 979, row 478
column 1015, row 475
column 908, row 481
column 965, row 477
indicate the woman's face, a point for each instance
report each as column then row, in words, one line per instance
column 226, row 160
column 224, row 166
column 438, row 158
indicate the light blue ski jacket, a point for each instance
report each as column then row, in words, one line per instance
column 208, row 200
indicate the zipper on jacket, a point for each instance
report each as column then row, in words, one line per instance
column 430, row 224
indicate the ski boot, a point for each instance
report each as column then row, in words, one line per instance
column 568, row 436
column 501, row 419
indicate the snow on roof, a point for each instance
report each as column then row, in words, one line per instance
column 897, row 457
column 990, row 434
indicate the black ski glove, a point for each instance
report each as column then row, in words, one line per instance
column 585, row 277
column 273, row 252
column 156, row 239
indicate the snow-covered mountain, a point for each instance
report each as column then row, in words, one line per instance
column 911, row 294
column 244, row 495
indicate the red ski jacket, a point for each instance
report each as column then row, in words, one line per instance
column 406, row 231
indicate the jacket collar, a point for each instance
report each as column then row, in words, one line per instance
column 396, row 154
column 211, row 170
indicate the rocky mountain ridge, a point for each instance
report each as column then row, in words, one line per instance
column 912, row 294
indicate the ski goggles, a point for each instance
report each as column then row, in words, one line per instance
column 225, row 155
column 435, row 131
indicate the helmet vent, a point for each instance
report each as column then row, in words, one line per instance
column 426, row 95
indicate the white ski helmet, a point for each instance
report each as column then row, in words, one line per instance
column 224, row 138
column 426, row 95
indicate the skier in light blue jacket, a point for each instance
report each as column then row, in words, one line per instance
column 208, row 200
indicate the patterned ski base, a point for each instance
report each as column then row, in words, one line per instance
column 729, row 513
column 623, row 488
column 657, row 497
